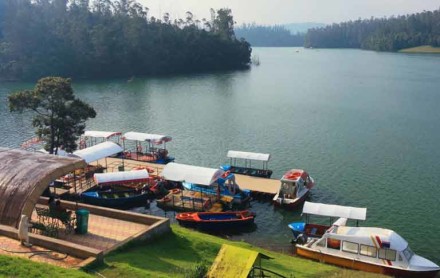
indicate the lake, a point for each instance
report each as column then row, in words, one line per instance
column 364, row 124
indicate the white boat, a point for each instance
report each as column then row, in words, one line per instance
column 295, row 187
column 147, row 148
column 369, row 249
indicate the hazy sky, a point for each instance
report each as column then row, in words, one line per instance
column 290, row 11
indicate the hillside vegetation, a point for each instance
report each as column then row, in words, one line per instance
column 381, row 34
column 114, row 38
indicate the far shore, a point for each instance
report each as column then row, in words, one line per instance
column 422, row 49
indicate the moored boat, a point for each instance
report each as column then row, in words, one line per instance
column 246, row 168
column 295, row 187
column 216, row 220
column 119, row 190
column 213, row 182
column 148, row 147
column 369, row 249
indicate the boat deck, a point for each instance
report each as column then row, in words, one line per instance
column 255, row 184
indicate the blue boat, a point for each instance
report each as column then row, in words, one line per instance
column 209, row 181
column 117, row 197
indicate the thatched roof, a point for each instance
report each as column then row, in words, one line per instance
column 23, row 178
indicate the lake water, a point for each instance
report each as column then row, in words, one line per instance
column 364, row 124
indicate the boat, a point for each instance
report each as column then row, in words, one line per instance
column 119, row 190
column 185, row 200
column 370, row 249
column 153, row 150
column 295, row 187
column 214, row 182
column 216, row 220
column 247, row 169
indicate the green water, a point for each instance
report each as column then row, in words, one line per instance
column 364, row 124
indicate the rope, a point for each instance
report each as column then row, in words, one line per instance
column 37, row 253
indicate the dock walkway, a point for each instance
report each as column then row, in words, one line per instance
column 255, row 184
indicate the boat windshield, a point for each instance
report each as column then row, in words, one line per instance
column 408, row 253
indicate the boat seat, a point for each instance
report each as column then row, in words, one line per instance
column 313, row 231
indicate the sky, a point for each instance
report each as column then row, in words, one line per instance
column 270, row 12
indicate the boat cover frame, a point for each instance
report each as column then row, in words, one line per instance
column 191, row 174
column 99, row 151
column 249, row 155
column 335, row 211
column 121, row 177
column 101, row 134
column 153, row 138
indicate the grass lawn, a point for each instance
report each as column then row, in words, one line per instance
column 421, row 49
column 180, row 252
column 18, row 267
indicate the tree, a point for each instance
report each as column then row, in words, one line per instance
column 60, row 116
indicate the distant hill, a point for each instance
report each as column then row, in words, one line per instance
column 381, row 34
column 302, row 27
column 269, row 36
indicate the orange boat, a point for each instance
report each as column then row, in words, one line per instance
column 216, row 220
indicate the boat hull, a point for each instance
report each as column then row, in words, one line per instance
column 292, row 205
column 359, row 265
column 216, row 221
column 141, row 199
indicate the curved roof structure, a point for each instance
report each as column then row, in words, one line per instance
column 99, row 151
column 191, row 174
column 23, row 178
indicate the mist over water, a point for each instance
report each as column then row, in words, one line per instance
column 364, row 124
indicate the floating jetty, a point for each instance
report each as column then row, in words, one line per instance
column 259, row 186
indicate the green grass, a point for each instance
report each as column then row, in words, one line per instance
column 180, row 252
column 18, row 267
column 421, row 49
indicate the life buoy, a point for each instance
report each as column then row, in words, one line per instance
column 175, row 191
column 226, row 174
column 184, row 215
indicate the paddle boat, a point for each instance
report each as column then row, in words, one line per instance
column 216, row 220
column 153, row 150
column 214, row 182
column 295, row 186
column 119, row 190
column 247, row 169
column 369, row 249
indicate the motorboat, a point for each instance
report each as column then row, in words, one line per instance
column 371, row 249
column 295, row 187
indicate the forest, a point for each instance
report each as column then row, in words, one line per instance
column 381, row 34
column 112, row 38
column 270, row 36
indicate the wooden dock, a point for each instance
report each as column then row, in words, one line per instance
column 255, row 184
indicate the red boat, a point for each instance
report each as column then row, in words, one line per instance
column 216, row 220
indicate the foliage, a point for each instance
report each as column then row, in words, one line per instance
column 382, row 34
column 18, row 267
column 277, row 35
column 111, row 38
column 60, row 116
column 174, row 254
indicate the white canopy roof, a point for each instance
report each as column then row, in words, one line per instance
column 98, row 151
column 154, row 138
column 335, row 211
column 101, row 134
column 122, row 177
column 249, row 155
column 191, row 174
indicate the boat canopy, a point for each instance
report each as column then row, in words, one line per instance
column 153, row 138
column 248, row 155
column 101, row 134
column 121, row 177
column 335, row 211
column 99, row 151
column 191, row 174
